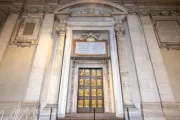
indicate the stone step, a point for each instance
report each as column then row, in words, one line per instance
column 90, row 116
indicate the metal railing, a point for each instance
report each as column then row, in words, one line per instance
column 21, row 111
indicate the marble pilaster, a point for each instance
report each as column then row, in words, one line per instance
column 57, row 64
column 157, row 61
column 116, row 78
column 145, row 74
column 123, row 64
column 6, row 33
column 39, row 63
column 65, row 75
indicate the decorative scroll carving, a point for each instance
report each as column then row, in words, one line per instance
column 91, row 36
column 61, row 30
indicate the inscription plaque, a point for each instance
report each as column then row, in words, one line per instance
column 94, row 48
column 168, row 31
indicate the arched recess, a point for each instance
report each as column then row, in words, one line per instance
column 124, row 11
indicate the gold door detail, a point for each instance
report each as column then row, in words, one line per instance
column 90, row 90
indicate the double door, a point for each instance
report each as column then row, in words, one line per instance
column 90, row 90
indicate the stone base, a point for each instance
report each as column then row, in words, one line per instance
column 166, row 111
column 48, row 113
column 132, row 113
column 171, row 111
column 90, row 116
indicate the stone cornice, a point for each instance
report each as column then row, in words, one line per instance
column 132, row 9
column 154, row 11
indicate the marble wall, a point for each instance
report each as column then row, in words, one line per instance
column 14, row 73
column 171, row 60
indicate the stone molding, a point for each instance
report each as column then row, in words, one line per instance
column 153, row 11
column 168, row 16
column 21, row 40
column 83, row 21
column 123, row 9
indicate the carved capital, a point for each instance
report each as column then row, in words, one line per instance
column 119, row 18
column 62, row 19
column 16, row 9
column 119, row 30
column 61, row 30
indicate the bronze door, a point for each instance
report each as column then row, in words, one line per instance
column 90, row 90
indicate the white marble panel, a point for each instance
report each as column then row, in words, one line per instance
column 38, row 68
column 149, row 92
column 6, row 33
column 157, row 61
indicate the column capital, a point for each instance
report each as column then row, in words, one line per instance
column 120, row 31
column 62, row 19
column 62, row 27
column 61, row 30
column 119, row 18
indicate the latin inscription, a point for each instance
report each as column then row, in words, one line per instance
column 90, row 48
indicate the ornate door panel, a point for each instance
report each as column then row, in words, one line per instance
column 90, row 90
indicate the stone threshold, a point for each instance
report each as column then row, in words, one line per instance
column 90, row 116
